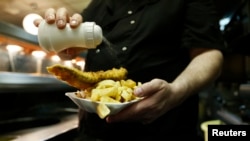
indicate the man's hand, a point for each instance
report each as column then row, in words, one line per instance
column 61, row 17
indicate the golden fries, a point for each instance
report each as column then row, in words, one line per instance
column 102, row 110
column 109, row 91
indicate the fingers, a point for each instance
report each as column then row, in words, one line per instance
column 36, row 22
column 147, row 110
column 136, row 112
column 50, row 15
column 61, row 18
column 149, row 88
column 75, row 20
column 124, row 115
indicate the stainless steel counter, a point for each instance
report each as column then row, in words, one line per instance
column 43, row 133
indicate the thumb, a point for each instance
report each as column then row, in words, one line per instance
column 149, row 88
column 143, row 90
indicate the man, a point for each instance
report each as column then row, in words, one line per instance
column 172, row 46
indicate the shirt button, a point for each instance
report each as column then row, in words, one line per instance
column 130, row 12
column 97, row 51
column 124, row 48
column 132, row 22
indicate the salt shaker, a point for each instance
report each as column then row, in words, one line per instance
column 86, row 35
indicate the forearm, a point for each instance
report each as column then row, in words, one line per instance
column 202, row 71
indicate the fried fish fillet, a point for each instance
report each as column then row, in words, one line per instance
column 82, row 79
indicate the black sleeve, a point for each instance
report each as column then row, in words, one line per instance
column 201, row 25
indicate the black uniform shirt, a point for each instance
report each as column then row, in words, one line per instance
column 150, row 38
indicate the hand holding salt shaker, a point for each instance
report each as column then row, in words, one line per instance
column 86, row 35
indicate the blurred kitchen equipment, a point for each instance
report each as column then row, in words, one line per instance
column 32, row 100
column 12, row 51
column 87, row 35
column 204, row 127
column 231, row 100
column 236, row 32
column 29, row 99
column 23, row 82
column 39, row 55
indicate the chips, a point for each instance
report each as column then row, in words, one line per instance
column 110, row 91
column 102, row 110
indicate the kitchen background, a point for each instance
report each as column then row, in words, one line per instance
column 33, row 104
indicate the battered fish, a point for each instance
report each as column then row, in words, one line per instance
column 82, row 79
